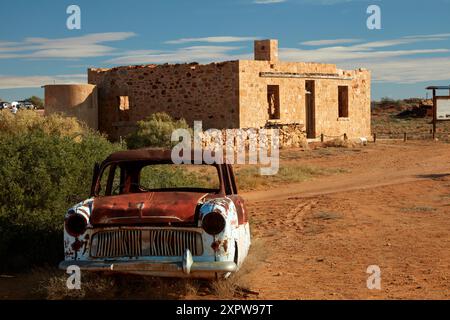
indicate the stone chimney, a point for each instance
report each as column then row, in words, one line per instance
column 266, row 50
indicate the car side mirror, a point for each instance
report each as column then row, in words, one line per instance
column 95, row 178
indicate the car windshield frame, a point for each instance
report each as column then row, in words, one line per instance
column 130, row 183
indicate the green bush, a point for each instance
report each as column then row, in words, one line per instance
column 36, row 101
column 155, row 131
column 46, row 167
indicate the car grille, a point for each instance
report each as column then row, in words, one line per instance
column 145, row 242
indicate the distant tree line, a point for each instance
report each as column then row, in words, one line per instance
column 35, row 100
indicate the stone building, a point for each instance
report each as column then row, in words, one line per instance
column 232, row 94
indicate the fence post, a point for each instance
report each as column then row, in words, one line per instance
column 404, row 137
column 321, row 137
column 374, row 138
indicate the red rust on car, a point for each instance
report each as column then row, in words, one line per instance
column 135, row 206
column 215, row 245
column 76, row 245
column 146, row 207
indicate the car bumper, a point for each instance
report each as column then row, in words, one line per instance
column 184, row 268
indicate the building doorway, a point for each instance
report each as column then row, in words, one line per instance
column 310, row 109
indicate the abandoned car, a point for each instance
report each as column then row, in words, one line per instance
column 149, row 216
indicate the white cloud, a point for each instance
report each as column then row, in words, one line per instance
column 384, row 58
column 345, row 54
column 387, row 59
column 329, row 42
column 410, row 70
column 202, row 54
column 330, row 2
column 90, row 45
column 268, row 1
column 221, row 39
column 11, row 82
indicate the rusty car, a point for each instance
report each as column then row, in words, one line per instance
column 149, row 216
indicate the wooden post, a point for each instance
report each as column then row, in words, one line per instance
column 404, row 137
column 321, row 137
column 374, row 138
column 434, row 113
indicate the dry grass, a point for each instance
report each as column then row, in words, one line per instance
column 341, row 143
column 29, row 120
column 387, row 125
column 237, row 286
column 249, row 177
column 98, row 286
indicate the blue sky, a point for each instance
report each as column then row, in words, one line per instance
column 411, row 51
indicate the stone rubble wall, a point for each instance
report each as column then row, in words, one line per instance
column 289, row 136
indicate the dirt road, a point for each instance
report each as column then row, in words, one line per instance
column 392, row 209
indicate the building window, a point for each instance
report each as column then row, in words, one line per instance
column 273, row 101
column 124, row 103
column 343, row 101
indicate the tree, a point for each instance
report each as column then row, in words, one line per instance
column 36, row 101
column 155, row 131
column 46, row 168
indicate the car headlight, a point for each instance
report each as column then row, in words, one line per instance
column 213, row 223
column 75, row 224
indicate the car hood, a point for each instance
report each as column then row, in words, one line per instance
column 146, row 208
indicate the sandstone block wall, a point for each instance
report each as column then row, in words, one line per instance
column 266, row 50
column 253, row 101
column 190, row 91
column 358, row 123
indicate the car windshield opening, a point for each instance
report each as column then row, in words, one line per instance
column 135, row 178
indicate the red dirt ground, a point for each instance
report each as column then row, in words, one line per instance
column 315, row 240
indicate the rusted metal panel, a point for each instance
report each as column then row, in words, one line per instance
column 146, row 207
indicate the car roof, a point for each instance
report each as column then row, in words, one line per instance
column 139, row 154
column 145, row 154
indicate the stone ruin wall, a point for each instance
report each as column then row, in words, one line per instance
column 190, row 91
column 253, row 97
column 358, row 123
column 73, row 100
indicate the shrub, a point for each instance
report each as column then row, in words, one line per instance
column 387, row 102
column 26, row 121
column 155, row 131
column 36, row 101
column 46, row 167
column 342, row 143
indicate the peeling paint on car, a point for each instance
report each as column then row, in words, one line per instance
column 163, row 235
